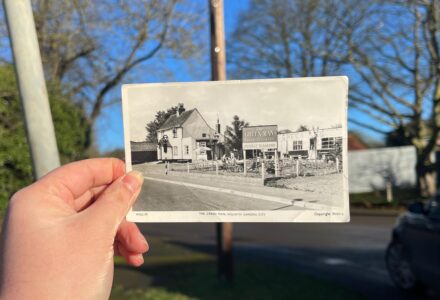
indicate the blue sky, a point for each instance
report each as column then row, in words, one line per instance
column 109, row 126
column 109, row 130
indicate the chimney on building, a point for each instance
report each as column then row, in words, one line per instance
column 180, row 109
column 217, row 126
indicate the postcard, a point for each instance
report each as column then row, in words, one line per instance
column 272, row 150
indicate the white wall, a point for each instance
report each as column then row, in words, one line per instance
column 368, row 169
column 187, row 141
column 174, row 141
column 285, row 140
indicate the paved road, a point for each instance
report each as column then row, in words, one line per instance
column 160, row 196
column 348, row 254
column 194, row 192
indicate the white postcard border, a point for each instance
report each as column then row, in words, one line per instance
column 332, row 215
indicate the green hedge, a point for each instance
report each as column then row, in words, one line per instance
column 15, row 164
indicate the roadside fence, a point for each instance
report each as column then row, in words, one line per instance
column 254, row 167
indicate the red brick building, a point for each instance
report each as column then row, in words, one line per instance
column 355, row 142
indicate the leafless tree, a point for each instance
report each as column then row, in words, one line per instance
column 389, row 49
column 396, row 58
column 289, row 38
column 90, row 47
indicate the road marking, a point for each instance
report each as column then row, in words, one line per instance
column 244, row 194
column 336, row 261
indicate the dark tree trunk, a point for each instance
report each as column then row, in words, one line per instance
column 425, row 176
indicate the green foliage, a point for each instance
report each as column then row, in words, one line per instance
column 378, row 199
column 176, row 272
column 116, row 153
column 15, row 162
column 71, row 127
column 152, row 293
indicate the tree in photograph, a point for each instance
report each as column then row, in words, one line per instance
column 90, row 47
column 234, row 134
column 336, row 152
column 302, row 128
column 159, row 119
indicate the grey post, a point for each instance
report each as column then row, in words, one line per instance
column 297, row 167
column 389, row 191
column 244, row 163
column 263, row 170
column 32, row 86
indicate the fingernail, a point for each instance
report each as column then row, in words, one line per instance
column 140, row 259
column 133, row 180
column 143, row 240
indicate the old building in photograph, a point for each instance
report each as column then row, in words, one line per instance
column 240, row 151
column 186, row 136
column 143, row 152
column 309, row 144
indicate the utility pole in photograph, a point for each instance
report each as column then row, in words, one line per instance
column 33, row 93
column 218, row 72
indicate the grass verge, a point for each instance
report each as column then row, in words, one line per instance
column 377, row 199
column 175, row 272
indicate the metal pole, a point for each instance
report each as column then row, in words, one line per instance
column 218, row 72
column 32, row 86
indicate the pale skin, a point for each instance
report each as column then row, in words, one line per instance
column 61, row 233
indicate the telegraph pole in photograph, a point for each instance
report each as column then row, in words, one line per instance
column 33, row 93
column 218, row 72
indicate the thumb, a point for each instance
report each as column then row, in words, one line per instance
column 114, row 203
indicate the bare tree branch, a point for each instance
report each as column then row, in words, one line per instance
column 367, row 126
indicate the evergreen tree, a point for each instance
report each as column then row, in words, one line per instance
column 234, row 134
column 160, row 118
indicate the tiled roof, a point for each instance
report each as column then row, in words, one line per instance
column 176, row 121
column 142, row 146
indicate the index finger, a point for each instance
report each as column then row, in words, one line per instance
column 74, row 179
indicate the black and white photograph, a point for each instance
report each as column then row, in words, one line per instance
column 239, row 151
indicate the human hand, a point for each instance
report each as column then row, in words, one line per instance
column 61, row 233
